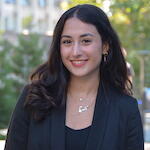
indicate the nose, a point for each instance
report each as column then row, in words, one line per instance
column 76, row 49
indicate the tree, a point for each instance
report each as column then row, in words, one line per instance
column 27, row 22
column 17, row 62
column 131, row 18
column 5, row 84
column 71, row 3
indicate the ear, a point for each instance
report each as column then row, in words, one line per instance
column 105, row 48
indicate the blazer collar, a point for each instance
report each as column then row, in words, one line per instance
column 97, row 130
column 99, row 122
column 58, row 129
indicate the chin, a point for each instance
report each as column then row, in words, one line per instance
column 81, row 75
column 78, row 75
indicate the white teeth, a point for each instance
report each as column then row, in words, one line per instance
column 78, row 62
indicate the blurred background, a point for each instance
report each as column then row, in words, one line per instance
column 26, row 30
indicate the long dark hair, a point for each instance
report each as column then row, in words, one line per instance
column 49, row 82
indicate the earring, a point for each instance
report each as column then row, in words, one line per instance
column 105, row 56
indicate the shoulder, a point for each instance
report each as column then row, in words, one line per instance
column 19, row 108
column 24, row 90
column 130, row 119
column 125, row 103
column 23, row 95
column 17, row 135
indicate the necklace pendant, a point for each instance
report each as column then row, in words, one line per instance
column 82, row 108
column 80, row 99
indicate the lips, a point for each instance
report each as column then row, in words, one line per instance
column 78, row 63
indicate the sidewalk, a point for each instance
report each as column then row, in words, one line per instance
column 147, row 146
column 2, row 143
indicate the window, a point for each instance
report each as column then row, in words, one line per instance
column 42, row 3
column 10, row 1
column 25, row 2
column 6, row 24
column 10, row 23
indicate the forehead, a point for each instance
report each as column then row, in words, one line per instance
column 75, row 26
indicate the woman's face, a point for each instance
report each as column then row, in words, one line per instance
column 81, row 48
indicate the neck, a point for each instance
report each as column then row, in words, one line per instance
column 83, row 86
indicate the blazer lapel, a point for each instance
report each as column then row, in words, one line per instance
column 99, row 122
column 98, row 127
column 58, row 129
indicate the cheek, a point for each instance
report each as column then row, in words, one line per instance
column 64, row 54
column 99, row 50
column 96, row 51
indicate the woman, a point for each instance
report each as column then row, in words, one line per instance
column 80, row 98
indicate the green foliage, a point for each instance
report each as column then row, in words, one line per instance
column 5, row 83
column 134, row 30
column 28, row 53
column 27, row 22
column 131, row 19
column 93, row 2
column 17, row 62
column 2, row 137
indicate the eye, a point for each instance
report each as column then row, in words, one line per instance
column 86, row 41
column 66, row 42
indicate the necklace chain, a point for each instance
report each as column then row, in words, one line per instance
column 82, row 108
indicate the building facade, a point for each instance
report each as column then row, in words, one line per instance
column 38, row 16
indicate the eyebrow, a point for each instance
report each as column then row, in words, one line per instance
column 83, row 35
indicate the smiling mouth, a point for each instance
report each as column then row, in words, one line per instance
column 78, row 63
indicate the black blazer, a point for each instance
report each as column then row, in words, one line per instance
column 116, row 126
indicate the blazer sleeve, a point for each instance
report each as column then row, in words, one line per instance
column 17, row 135
column 135, row 140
